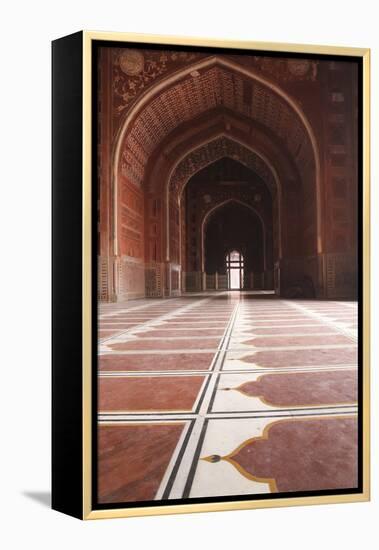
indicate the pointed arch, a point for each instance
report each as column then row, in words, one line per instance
column 270, row 168
column 221, row 205
column 227, row 64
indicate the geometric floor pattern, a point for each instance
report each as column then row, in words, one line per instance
column 229, row 393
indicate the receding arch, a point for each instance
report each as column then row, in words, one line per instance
column 221, row 205
column 254, row 151
column 228, row 64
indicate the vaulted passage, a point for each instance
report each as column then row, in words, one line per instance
column 190, row 133
column 217, row 224
column 234, row 235
column 227, row 274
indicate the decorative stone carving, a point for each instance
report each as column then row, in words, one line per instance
column 298, row 67
column 134, row 70
column 131, row 62
column 215, row 150
column 216, row 87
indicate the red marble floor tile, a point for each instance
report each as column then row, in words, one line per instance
column 166, row 344
column 312, row 357
column 207, row 311
column 202, row 318
column 342, row 319
column 132, row 460
column 107, row 333
column 256, row 314
column 280, row 321
column 282, row 316
column 296, row 326
column 136, row 313
column 328, row 309
column 304, row 388
column 173, row 323
column 124, row 326
column 294, row 330
column 137, row 320
column 215, row 310
column 183, row 333
column 148, row 393
column 152, row 362
column 302, row 455
column 308, row 340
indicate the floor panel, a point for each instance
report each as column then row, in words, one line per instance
column 225, row 394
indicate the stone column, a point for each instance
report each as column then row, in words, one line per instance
column 204, row 280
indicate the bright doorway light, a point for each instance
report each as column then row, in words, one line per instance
column 234, row 269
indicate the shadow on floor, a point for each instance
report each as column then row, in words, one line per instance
column 41, row 497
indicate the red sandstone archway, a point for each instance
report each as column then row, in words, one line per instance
column 221, row 205
column 150, row 118
column 169, row 121
column 182, row 101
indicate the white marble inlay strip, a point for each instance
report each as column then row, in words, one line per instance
column 194, row 372
column 181, row 478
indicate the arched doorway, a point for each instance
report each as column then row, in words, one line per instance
column 143, row 170
column 234, row 270
column 234, row 226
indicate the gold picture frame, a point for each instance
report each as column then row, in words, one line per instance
column 82, row 359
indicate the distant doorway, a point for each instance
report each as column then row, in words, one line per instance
column 234, row 270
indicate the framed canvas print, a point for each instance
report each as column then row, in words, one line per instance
column 210, row 275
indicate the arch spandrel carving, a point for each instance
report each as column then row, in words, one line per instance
column 213, row 87
column 214, row 150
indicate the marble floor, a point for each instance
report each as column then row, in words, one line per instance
column 230, row 393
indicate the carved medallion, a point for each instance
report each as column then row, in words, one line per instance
column 131, row 62
column 298, row 67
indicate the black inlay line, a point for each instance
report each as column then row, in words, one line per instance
column 203, row 393
column 232, row 323
column 214, row 363
column 195, row 459
column 231, row 328
column 215, row 414
column 211, row 401
column 222, row 346
column 178, row 461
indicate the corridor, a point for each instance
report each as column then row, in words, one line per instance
column 226, row 393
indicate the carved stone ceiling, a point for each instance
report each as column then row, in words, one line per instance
column 204, row 90
column 135, row 70
column 213, row 151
